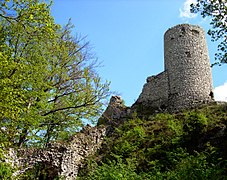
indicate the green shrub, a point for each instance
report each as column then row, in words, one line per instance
column 6, row 171
column 113, row 170
column 197, row 168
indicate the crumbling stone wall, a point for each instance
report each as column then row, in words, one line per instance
column 65, row 159
column 61, row 159
column 186, row 80
column 155, row 91
column 115, row 112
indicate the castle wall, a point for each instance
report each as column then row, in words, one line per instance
column 60, row 159
column 188, row 66
column 155, row 91
column 186, row 80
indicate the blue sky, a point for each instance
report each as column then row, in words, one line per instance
column 127, row 37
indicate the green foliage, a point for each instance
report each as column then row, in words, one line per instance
column 189, row 167
column 217, row 11
column 6, row 171
column 165, row 146
column 195, row 123
column 198, row 168
column 113, row 170
column 48, row 79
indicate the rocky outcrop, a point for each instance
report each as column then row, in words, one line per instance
column 115, row 112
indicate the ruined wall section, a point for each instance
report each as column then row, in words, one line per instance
column 155, row 91
column 115, row 113
column 188, row 66
column 60, row 159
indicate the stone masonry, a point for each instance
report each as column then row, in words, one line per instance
column 186, row 81
column 60, row 159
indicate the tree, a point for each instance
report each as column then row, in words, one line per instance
column 217, row 11
column 48, row 82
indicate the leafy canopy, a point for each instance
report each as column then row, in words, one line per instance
column 217, row 11
column 48, row 79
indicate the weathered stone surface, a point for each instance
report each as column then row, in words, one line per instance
column 155, row 92
column 61, row 159
column 115, row 113
column 186, row 81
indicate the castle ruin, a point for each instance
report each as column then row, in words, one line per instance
column 186, row 80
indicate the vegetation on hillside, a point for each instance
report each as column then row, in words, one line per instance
column 187, row 145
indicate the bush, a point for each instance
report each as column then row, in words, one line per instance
column 113, row 170
column 6, row 171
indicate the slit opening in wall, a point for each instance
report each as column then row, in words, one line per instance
column 183, row 30
column 211, row 94
column 188, row 54
column 195, row 32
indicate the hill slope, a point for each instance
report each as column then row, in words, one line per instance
column 186, row 145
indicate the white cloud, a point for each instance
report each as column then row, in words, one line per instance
column 185, row 9
column 220, row 92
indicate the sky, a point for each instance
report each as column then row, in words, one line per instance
column 127, row 38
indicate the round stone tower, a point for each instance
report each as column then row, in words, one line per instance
column 188, row 67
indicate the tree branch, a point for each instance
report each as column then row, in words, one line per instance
column 65, row 108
